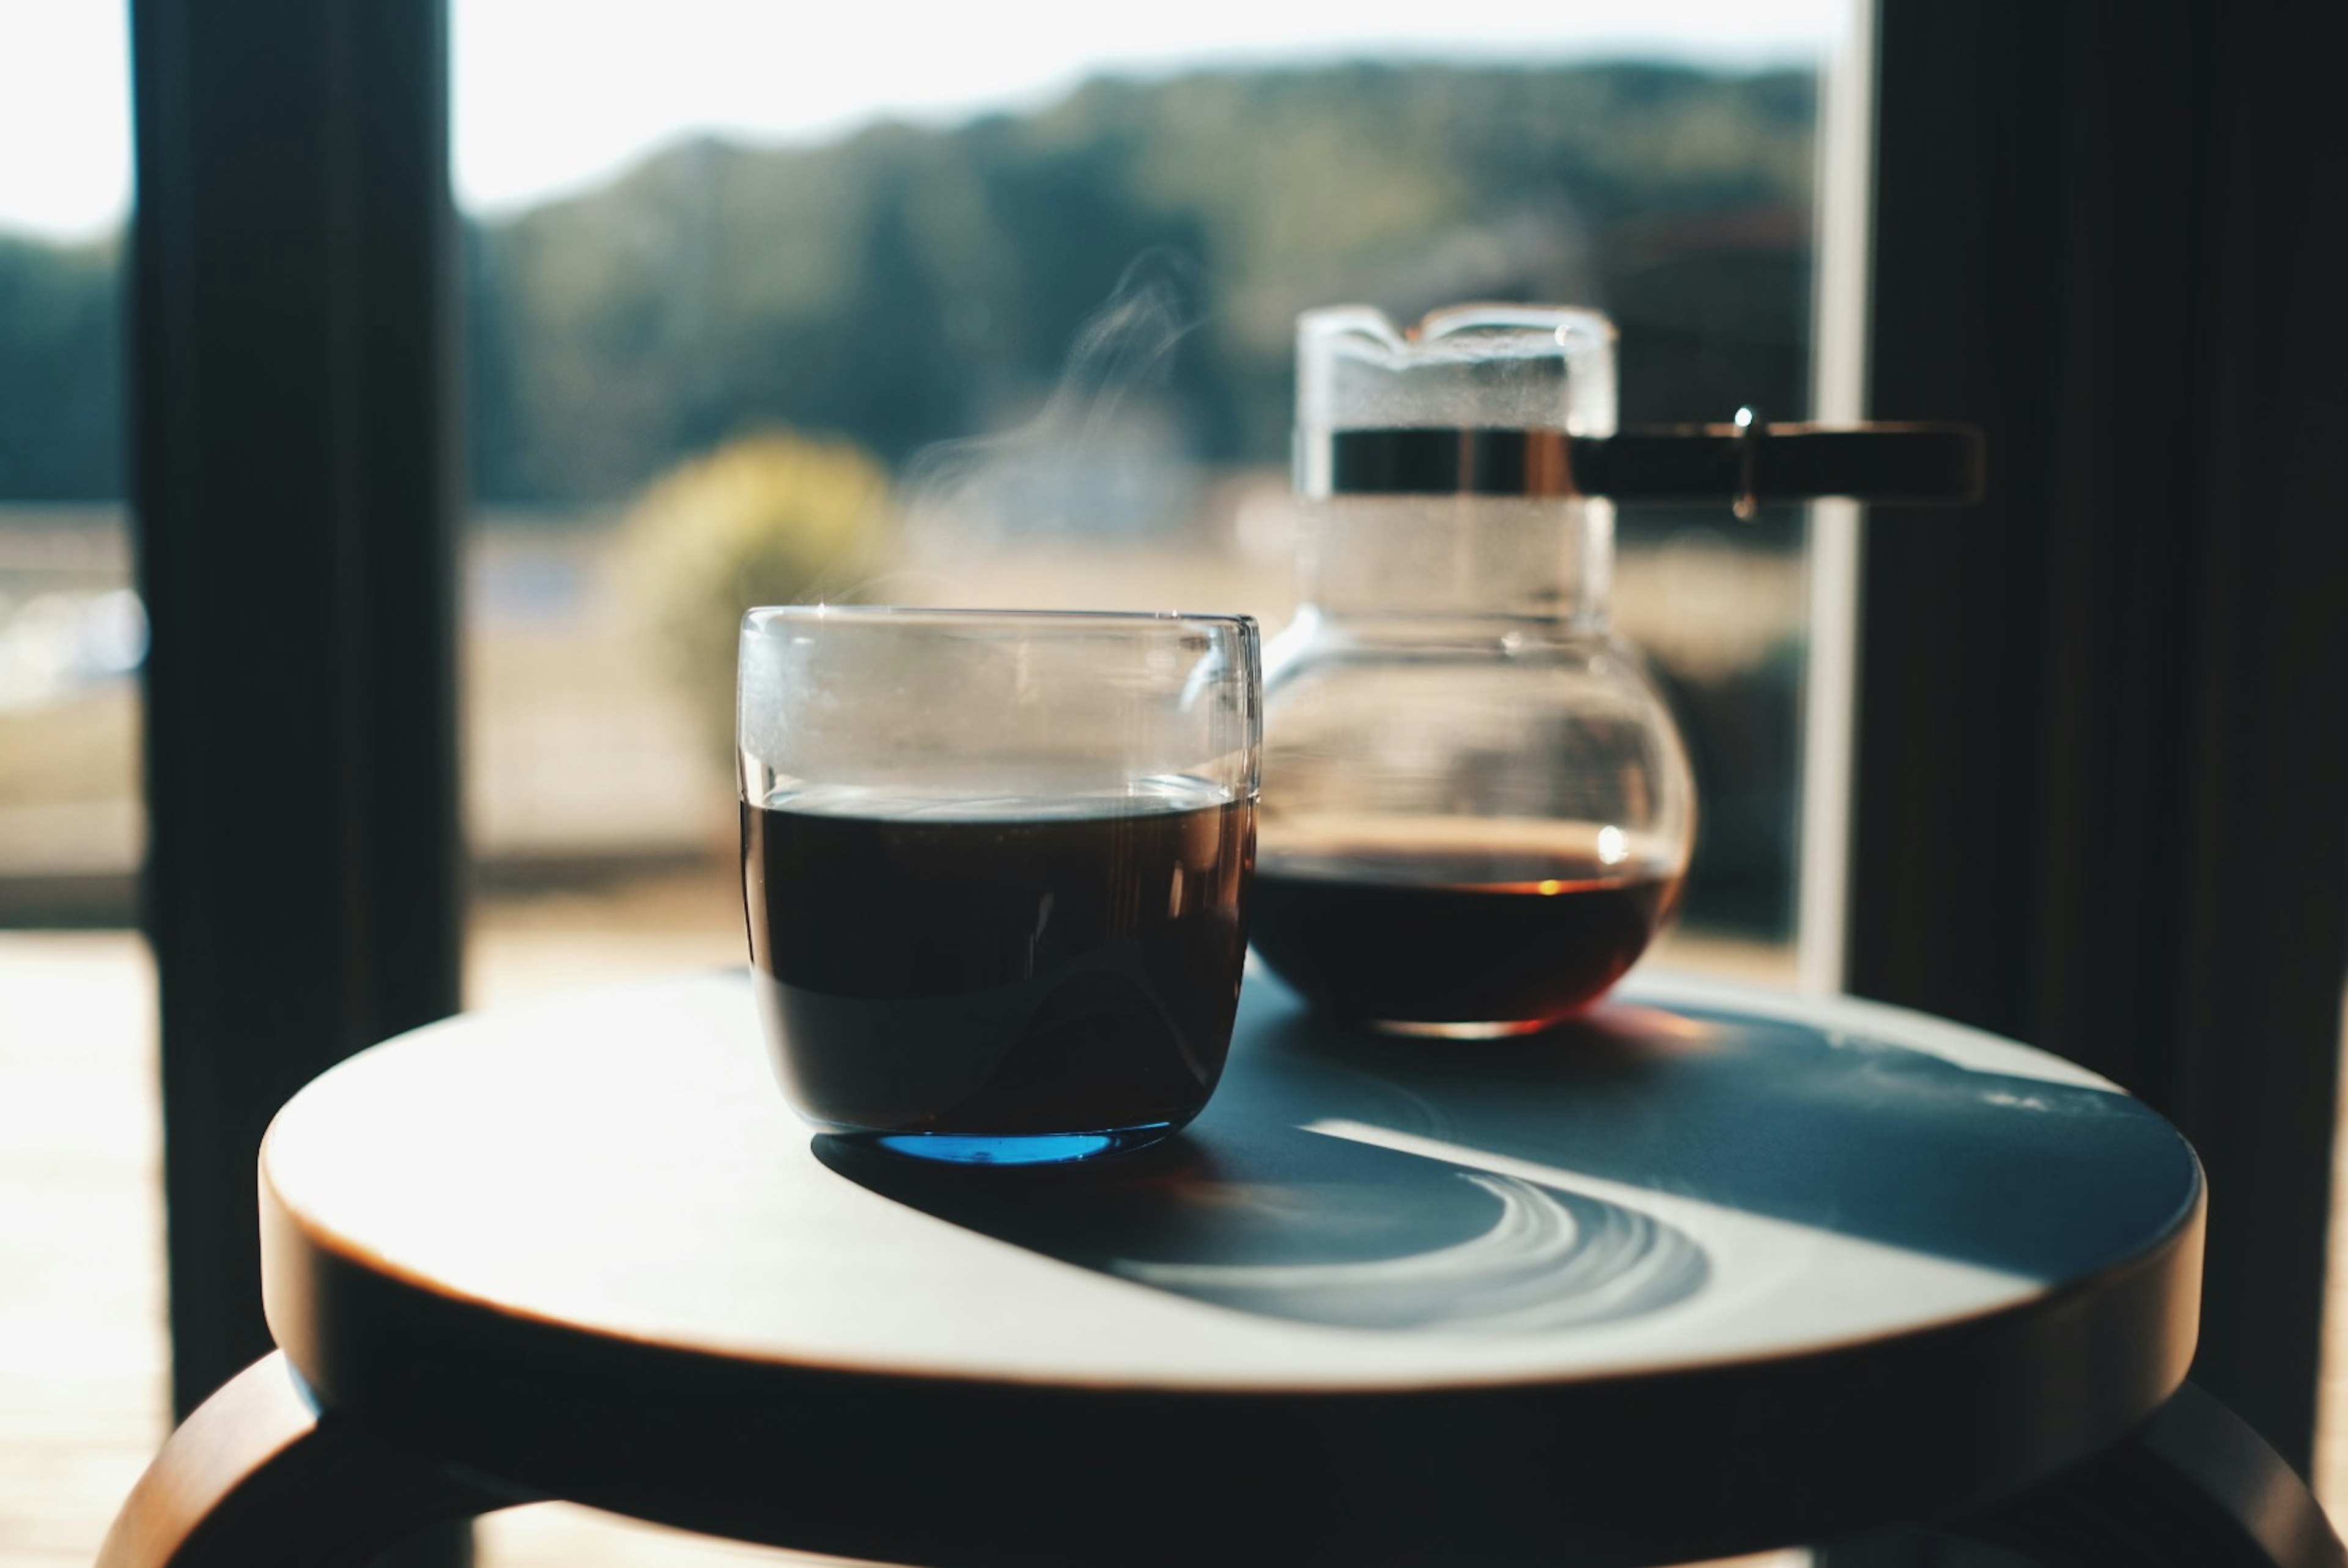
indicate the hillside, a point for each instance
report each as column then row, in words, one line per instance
column 908, row 284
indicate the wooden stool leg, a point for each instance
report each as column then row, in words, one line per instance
column 259, row 1476
column 2193, row 1488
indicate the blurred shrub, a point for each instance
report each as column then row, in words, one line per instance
column 770, row 517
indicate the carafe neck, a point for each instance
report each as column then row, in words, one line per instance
column 1458, row 557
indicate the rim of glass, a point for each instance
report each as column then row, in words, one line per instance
column 763, row 616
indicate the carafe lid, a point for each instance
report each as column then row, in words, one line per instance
column 1519, row 400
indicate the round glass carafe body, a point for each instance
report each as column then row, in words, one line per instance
column 1476, row 812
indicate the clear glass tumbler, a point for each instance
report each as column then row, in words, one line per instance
column 996, row 868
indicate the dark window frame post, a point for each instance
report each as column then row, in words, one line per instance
column 294, row 412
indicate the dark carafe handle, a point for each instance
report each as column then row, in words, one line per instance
column 1745, row 464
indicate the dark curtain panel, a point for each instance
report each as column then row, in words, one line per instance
column 2103, row 734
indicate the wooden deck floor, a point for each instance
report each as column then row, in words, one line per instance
column 82, row 1369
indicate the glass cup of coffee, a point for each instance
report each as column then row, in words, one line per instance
column 996, row 869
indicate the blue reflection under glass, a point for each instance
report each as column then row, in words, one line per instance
column 1039, row 1149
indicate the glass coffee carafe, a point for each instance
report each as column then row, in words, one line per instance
column 1476, row 812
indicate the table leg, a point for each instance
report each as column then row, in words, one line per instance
column 260, row 1476
column 2192, row 1488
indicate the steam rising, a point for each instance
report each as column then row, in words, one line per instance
column 1103, row 456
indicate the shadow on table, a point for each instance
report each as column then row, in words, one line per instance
column 1837, row 1130
column 1253, row 1210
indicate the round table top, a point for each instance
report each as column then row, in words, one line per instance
column 1714, row 1268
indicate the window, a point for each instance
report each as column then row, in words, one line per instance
column 1045, row 290
column 642, row 305
column 82, row 1346
column 1038, row 290
column 71, row 634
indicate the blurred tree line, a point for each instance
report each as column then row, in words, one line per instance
column 61, row 370
column 909, row 284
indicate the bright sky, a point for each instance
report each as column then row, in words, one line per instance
column 554, row 94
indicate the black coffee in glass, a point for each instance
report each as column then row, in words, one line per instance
column 1038, row 969
column 1015, row 944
